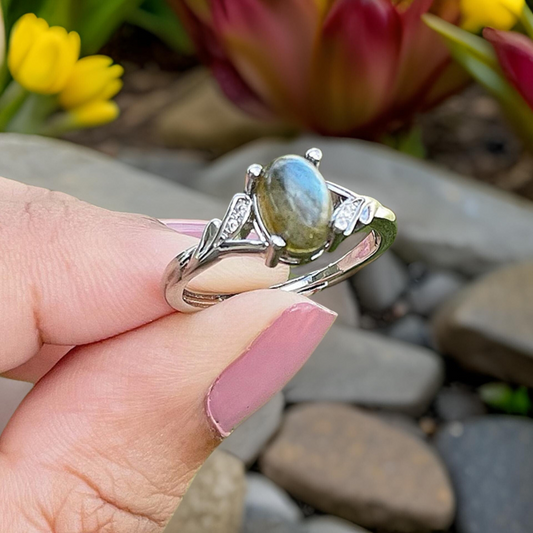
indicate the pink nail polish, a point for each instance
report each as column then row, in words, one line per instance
column 267, row 365
column 193, row 228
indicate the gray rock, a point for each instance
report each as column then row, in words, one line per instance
column 11, row 394
column 458, row 403
column 402, row 422
column 491, row 466
column 171, row 164
column 248, row 440
column 487, row 327
column 341, row 299
column 365, row 368
column 267, row 502
column 98, row 179
column 381, row 283
column 215, row 499
column 348, row 463
column 412, row 329
column 443, row 219
column 331, row 524
column 272, row 527
column 434, row 289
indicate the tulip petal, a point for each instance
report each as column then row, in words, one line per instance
column 423, row 55
column 49, row 62
column 24, row 33
column 95, row 114
column 271, row 45
column 356, row 65
column 500, row 14
column 515, row 54
column 92, row 78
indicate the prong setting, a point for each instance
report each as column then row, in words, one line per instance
column 253, row 173
column 314, row 155
column 275, row 249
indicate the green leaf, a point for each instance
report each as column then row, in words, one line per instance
column 58, row 13
column 97, row 20
column 462, row 40
column 158, row 18
column 527, row 21
column 514, row 106
column 478, row 58
column 407, row 141
column 503, row 397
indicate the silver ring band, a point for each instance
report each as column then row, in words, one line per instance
column 351, row 214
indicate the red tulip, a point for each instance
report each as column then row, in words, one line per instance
column 339, row 67
column 515, row 55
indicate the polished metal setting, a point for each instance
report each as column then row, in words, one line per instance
column 243, row 231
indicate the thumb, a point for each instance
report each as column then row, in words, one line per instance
column 112, row 436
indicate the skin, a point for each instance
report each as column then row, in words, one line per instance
column 115, row 428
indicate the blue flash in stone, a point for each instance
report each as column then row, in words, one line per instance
column 295, row 203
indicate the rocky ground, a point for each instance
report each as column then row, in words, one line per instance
column 387, row 429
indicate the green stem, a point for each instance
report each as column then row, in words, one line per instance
column 59, row 125
column 10, row 102
column 33, row 113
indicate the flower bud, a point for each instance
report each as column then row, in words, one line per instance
column 498, row 14
column 41, row 58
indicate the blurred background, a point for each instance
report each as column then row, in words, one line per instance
column 414, row 415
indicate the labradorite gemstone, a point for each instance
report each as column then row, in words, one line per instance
column 295, row 203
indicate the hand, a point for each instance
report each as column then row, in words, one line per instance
column 115, row 428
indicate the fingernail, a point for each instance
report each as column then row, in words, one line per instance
column 267, row 365
column 193, row 228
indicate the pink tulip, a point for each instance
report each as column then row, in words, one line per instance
column 339, row 67
column 515, row 55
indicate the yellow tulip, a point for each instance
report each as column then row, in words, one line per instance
column 93, row 78
column 499, row 14
column 41, row 58
column 96, row 113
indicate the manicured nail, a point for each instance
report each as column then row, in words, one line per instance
column 267, row 365
column 193, row 228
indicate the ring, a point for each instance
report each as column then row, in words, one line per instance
column 289, row 214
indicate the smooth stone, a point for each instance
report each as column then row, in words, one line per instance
column 433, row 290
column 400, row 421
column 345, row 462
column 331, row 524
column 364, row 368
column 98, row 179
column 215, row 499
column 444, row 219
column 487, row 327
column 491, row 466
column 379, row 285
column 412, row 329
column 11, row 395
column 295, row 203
column 199, row 116
column 268, row 502
column 249, row 439
column 266, row 526
column 458, row 403
column 179, row 166
column 341, row 299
